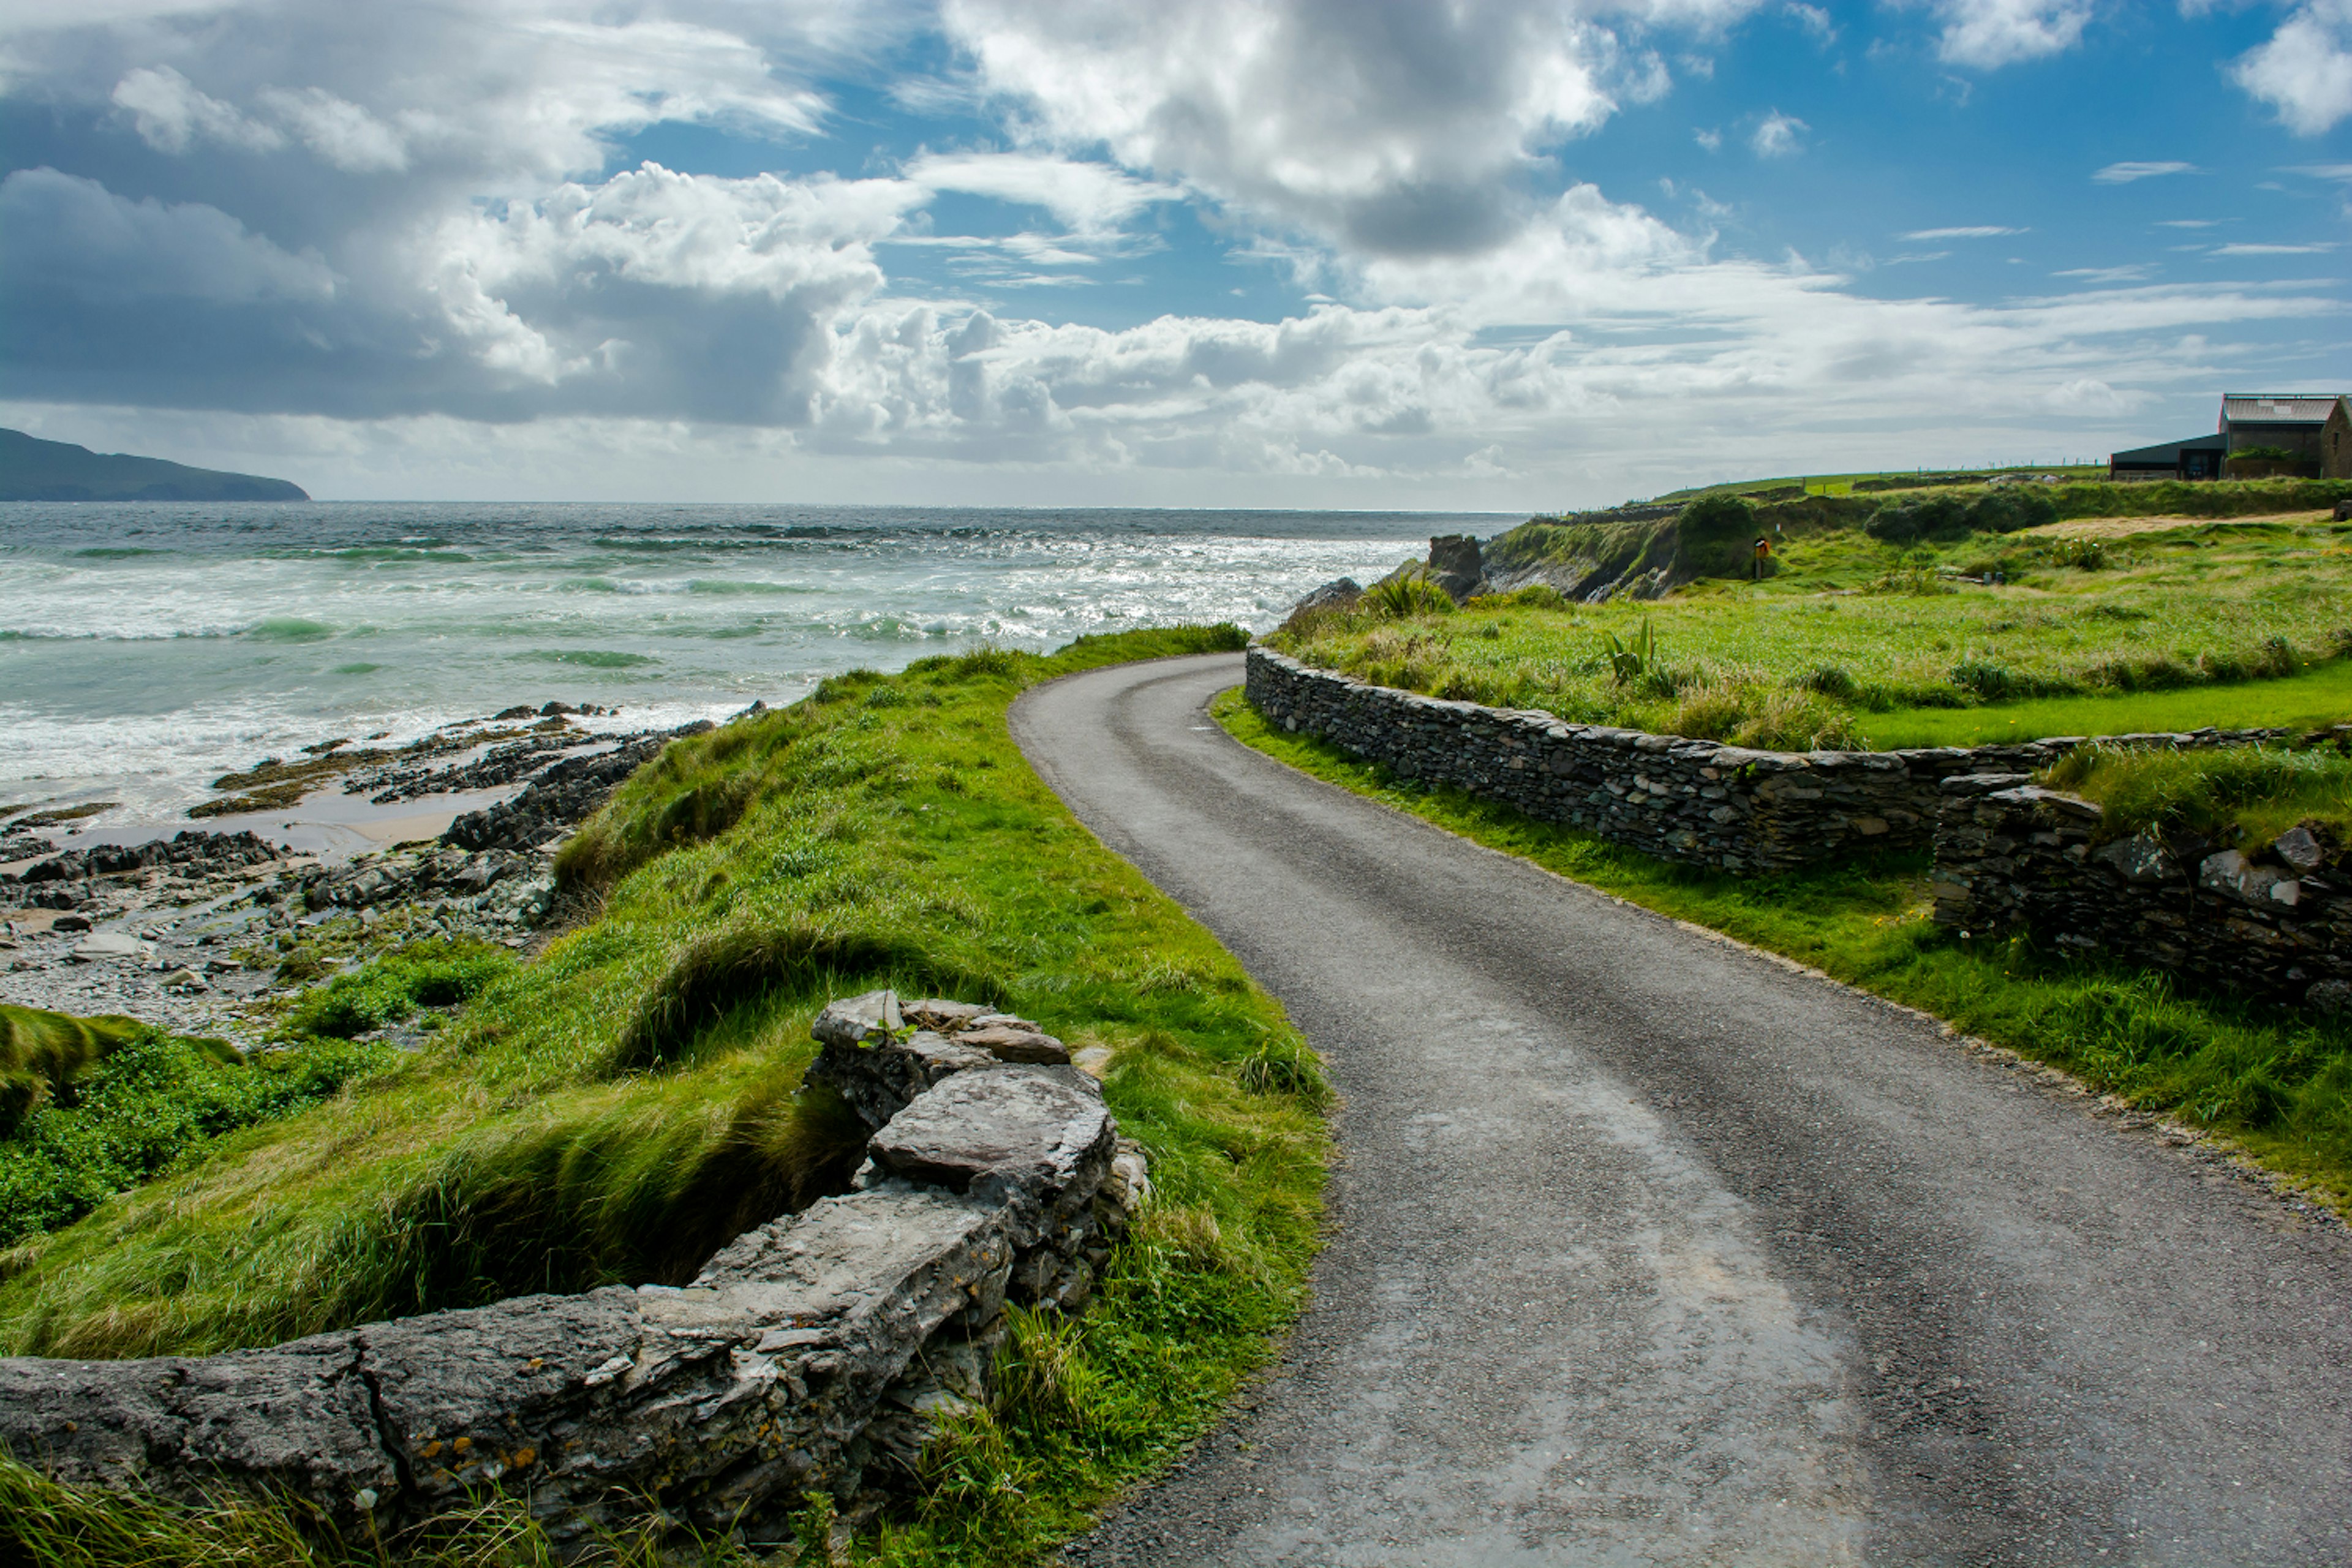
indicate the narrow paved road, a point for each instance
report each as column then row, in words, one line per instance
column 1648, row 1250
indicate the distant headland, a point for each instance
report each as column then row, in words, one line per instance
column 35, row 470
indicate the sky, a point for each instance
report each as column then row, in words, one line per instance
column 1451, row 254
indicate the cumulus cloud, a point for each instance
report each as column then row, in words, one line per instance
column 1989, row 34
column 66, row 234
column 1388, row 127
column 426, row 225
column 1778, row 135
column 2305, row 71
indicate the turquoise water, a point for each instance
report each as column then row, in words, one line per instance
column 146, row 647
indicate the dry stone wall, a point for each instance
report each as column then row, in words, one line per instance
column 814, row 1352
column 1699, row 801
column 2013, row 857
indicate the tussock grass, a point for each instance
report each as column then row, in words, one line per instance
column 2243, row 796
column 42, row 1053
column 622, row 1106
column 2276, row 1082
column 2217, row 610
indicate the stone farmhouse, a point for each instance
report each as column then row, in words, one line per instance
column 2315, row 429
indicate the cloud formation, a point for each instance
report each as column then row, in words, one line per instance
column 471, row 218
column 1990, row 34
column 2305, row 71
column 1387, row 126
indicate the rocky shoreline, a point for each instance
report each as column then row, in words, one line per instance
column 184, row 931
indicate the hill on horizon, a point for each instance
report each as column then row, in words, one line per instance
column 35, row 470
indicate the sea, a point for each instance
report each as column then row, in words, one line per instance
column 147, row 647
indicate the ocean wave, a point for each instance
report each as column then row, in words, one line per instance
column 288, row 629
column 589, row 657
column 721, row 586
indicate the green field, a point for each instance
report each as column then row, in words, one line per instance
column 621, row 1106
column 2304, row 700
column 1855, row 641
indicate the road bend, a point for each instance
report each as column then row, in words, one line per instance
column 1646, row 1249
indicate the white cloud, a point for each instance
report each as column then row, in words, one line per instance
column 2248, row 248
column 1390, row 127
column 339, row 132
column 1090, row 198
column 171, row 115
column 72, row 234
column 1712, row 140
column 2126, row 173
column 2187, row 222
column 1813, row 19
column 1971, row 231
column 2136, row 272
column 1989, row 34
column 2305, row 71
column 1778, row 135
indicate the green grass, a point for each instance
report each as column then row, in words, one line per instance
column 2313, row 697
column 2276, row 1083
column 1855, row 641
column 153, row 1102
column 2244, row 797
column 621, row 1106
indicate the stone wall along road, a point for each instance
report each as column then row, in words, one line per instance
column 1647, row 1249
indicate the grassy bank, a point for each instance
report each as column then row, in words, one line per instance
column 617, row 1109
column 2278, row 1084
column 1856, row 640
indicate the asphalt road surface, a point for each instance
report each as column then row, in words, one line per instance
column 1647, row 1249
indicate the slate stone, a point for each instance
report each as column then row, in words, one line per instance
column 879, row 1081
column 1037, row 1138
column 942, row 1015
column 1007, row 1044
column 872, row 1016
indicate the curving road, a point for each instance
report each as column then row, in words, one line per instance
column 1646, row 1249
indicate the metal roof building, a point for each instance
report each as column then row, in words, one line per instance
column 2276, row 409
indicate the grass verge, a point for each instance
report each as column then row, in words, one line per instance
column 2278, row 1084
column 617, row 1109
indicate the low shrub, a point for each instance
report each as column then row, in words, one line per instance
column 1716, row 537
column 1408, row 594
column 1948, row 517
column 149, row 1103
column 430, row 973
column 1831, row 680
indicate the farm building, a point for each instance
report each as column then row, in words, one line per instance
column 2198, row 458
column 2313, row 428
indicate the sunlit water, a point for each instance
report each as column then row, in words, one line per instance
column 145, row 648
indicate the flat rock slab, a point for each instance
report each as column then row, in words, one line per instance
column 1009, row 1043
column 1027, row 1136
column 874, row 1016
column 111, row 944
